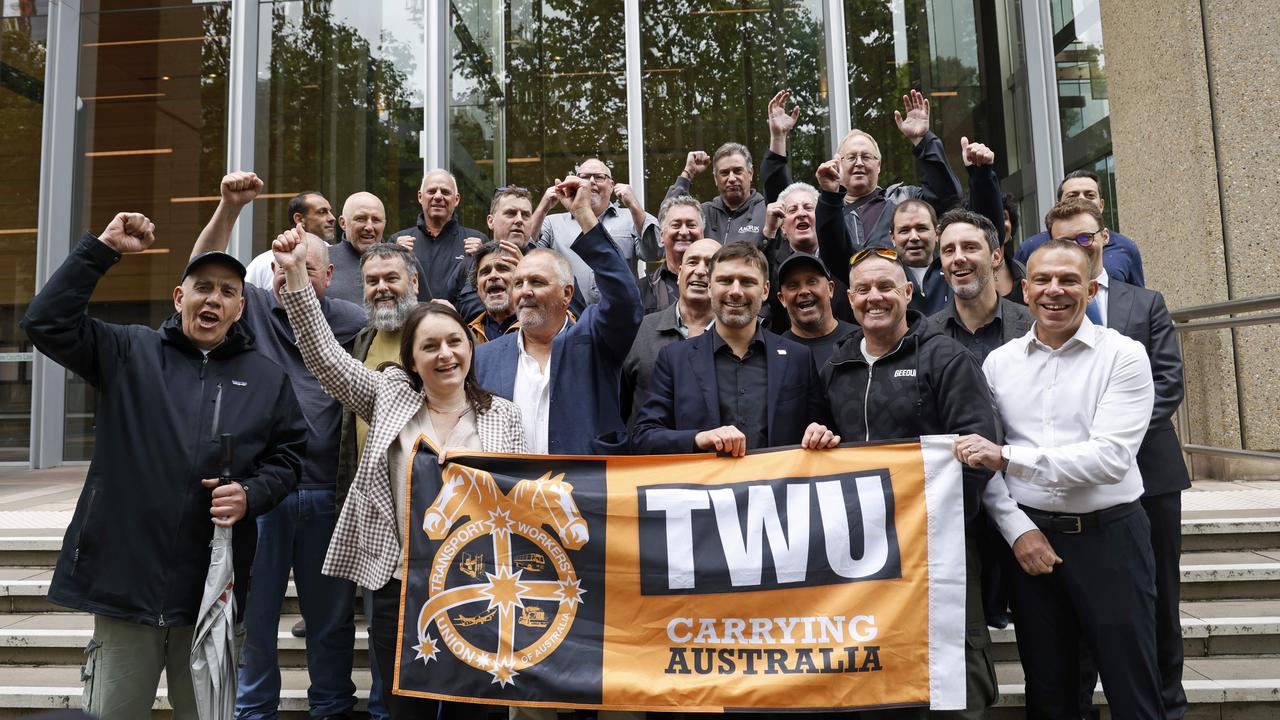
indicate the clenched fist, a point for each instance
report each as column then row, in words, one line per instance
column 129, row 233
column 240, row 188
column 696, row 162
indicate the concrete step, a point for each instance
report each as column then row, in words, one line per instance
column 39, row 548
column 1216, row 687
column 1206, row 575
column 1209, row 628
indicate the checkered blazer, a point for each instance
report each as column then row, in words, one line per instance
column 365, row 547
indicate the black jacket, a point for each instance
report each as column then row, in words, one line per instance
column 1141, row 314
column 137, row 547
column 844, row 229
column 442, row 259
column 927, row 385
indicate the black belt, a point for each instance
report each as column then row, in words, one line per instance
column 1072, row 524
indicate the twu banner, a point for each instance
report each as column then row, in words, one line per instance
column 786, row 579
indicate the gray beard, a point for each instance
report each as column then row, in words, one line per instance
column 972, row 290
column 390, row 319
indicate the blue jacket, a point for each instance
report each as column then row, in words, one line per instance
column 586, row 358
column 1120, row 257
column 683, row 399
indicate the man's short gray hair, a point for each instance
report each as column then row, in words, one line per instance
column 389, row 250
column 796, row 187
column 675, row 200
column 564, row 272
column 731, row 148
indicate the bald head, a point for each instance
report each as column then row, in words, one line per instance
column 438, row 197
column 363, row 220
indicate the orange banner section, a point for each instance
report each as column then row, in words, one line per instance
column 782, row 580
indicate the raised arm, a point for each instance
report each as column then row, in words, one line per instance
column 619, row 312
column 237, row 190
column 339, row 374
column 939, row 186
column 984, row 188
column 56, row 321
column 695, row 163
column 774, row 167
column 834, row 245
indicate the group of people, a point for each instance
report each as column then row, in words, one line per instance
column 801, row 315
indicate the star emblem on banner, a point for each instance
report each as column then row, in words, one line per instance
column 504, row 589
column 571, row 591
column 500, row 522
column 427, row 649
column 504, row 673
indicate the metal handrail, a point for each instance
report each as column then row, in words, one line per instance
column 1192, row 318
column 1229, row 307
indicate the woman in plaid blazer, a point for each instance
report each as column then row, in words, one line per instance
column 437, row 398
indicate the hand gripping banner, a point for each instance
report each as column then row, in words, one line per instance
column 786, row 579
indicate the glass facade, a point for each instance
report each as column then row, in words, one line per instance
column 23, row 34
column 351, row 95
column 151, row 133
column 1083, row 109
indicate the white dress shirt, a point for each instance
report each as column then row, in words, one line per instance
column 1074, row 419
column 532, row 394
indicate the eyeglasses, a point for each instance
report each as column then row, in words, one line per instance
column 595, row 177
column 865, row 158
column 887, row 253
column 1083, row 239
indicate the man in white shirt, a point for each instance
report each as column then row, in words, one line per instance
column 1075, row 399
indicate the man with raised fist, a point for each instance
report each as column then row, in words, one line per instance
column 295, row 536
column 137, row 550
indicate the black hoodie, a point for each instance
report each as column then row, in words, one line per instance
column 137, row 547
column 927, row 385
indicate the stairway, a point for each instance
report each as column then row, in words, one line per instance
column 1231, row 627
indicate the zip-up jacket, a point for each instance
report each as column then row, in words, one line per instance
column 928, row 384
column 442, row 259
column 137, row 547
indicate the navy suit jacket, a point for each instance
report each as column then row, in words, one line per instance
column 586, row 358
column 683, row 399
column 1141, row 314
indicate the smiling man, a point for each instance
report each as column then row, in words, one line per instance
column 806, row 289
column 363, row 221
column 570, row 407
column 736, row 359
column 136, row 551
column 1075, row 400
column 438, row 240
column 488, row 300
column 634, row 231
column 896, row 377
column 687, row 317
column 680, row 219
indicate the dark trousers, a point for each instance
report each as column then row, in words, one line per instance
column 1164, row 511
column 1103, row 594
column 383, row 627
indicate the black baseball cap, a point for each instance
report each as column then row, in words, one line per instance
column 801, row 259
column 215, row 256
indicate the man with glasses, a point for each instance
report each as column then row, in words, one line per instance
column 897, row 377
column 854, row 211
column 1141, row 315
column 633, row 230
column 439, row 242
column 1120, row 256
